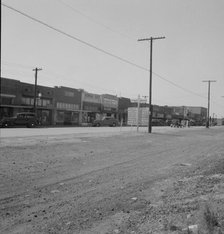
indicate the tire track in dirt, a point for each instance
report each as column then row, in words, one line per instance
column 96, row 195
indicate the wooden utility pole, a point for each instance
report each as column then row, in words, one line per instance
column 138, row 108
column 208, row 115
column 150, row 80
column 35, row 89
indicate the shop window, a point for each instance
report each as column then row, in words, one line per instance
column 38, row 102
column 7, row 101
column 26, row 101
column 60, row 116
column 75, row 117
column 46, row 102
column 69, row 94
column 67, row 106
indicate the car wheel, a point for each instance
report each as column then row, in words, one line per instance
column 31, row 125
column 98, row 124
column 5, row 125
column 114, row 124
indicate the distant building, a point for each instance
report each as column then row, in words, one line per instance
column 18, row 97
column 44, row 101
column 91, row 107
column 163, row 115
column 67, row 106
column 197, row 113
column 109, row 105
column 220, row 121
column 70, row 106
column 10, row 97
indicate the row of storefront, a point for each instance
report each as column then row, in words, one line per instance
column 59, row 105
column 70, row 106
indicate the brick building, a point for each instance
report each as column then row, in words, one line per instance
column 67, row 105
column 91, row 107
column 109, row 105
column 18, row 97
column 70, row 106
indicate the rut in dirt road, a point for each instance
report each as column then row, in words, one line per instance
column 75, row 187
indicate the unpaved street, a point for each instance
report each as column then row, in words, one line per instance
column 110, row 182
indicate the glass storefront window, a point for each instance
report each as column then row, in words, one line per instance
column 26, row 100
column 38, row 102
column 75, row 117
column 67, row 106
column 60, row 116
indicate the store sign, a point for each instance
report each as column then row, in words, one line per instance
column 138, row 100
column 110, row 103
column 94, row 98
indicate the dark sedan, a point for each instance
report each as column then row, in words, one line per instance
column 106, row 121
column 27, row 119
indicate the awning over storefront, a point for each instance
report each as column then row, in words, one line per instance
column 7, row 95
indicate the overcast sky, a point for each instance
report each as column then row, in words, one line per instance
column 92, row 44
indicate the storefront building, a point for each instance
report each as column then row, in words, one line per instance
column 18, row 97
column 109, row 105
column 44, row 102
column 67, row 106
column 10, row 97
column 91, row 107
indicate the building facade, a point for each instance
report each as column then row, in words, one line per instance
column 67, row 106
column 91, row 107
column 164, row 115
column 109, row 105
column 10, row 97
column 70, row 106
column 44, row 102
column 18, row 97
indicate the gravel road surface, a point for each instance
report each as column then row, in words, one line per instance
column 111, row 180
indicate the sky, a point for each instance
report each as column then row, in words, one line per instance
column 93, row 45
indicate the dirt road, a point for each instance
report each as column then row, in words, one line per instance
column 126, row 182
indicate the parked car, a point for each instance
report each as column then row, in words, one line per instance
column 158, row 122
column 27, row 119
column 106, row 121
column 176, row 123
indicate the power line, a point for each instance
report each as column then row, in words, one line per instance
column 75, row 38
column 156, row 74
column 6, row 63
column 58, row 76
column 97, row 48
column 95, row 21
column 178, row 86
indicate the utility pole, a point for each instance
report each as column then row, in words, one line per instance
column 35, row 88
column 151, row 39
column 208, row 115
column 138, row 108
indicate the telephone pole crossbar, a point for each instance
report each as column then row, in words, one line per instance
column 151, row 39
column 208, row 117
